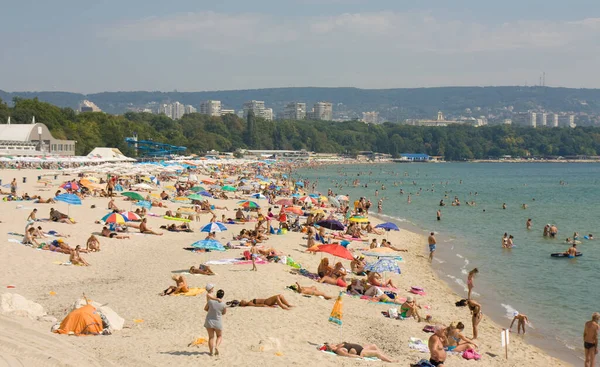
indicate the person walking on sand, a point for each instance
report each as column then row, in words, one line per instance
column 470, row 284
column 522, row 320
column 590, row 340
column 432, row 242
column 214, row 323
column 253, row 255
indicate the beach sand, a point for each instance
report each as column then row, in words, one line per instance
column 129, row 274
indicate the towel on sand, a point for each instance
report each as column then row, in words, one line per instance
column 192, row 292
column 418, row 344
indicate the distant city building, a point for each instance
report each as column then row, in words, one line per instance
column 178, row 111
column 190, row 109
column 555, row 120
column 323, row 111
column 295, row 111
column 166, row 109
column 227, row 112
column 258, row 107
column 572, row 121
column 440, row 121
column 370, row 117
column 88, row 106
column 543, row 119
column 210, row 107
column 525, row 119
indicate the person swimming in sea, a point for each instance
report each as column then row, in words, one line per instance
column 528, row 224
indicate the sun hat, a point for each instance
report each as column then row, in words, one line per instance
column 409, row 299
column 209, row 286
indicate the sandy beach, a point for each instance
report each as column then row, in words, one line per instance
column 129, row 274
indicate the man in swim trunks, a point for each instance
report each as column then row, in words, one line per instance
column 436, row 346
column 590, row 340
column 432, row 242
column 572, row 251
column 439, row 215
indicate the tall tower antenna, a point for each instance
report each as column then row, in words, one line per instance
column 544, row 79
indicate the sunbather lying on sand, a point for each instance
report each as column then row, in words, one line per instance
column 180, row 287
column 107, row 233
column 312, row 291
column 201, row 269
column 356, row 351
column 272, row 301
column 375, row 279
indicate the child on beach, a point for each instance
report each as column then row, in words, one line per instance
column 209, row 296
column 253, row 255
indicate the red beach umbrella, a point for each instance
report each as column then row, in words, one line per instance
column 333, row 249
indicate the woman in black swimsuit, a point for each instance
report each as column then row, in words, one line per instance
column 357, row 351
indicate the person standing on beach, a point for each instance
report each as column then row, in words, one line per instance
column 214, row 323
column 432, row 243
column 253, row 255
column 470, row 284
column 439, row 215
column 590, row 340
column 13, row 186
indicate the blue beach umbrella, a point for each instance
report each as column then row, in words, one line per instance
column 258, row 196
column 383, row 265
column 206, row 193
column 210, row 244
column 70, row 199
column 144, row 204
column 300, row 183
column 214, row 227
column 388, row 226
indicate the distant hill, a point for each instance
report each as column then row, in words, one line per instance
column 391, row 103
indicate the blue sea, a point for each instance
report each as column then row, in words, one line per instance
column 558, row 295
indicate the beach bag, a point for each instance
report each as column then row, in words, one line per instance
column 428, row 329
column 422, row 363
column 393, row 313
column 471, row 354
column 247, row 255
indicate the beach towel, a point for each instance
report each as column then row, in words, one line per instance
column 192, row 292
column 13, row 240
column 418, row 344
column 363, row 358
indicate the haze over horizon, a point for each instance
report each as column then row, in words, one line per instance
column 191, row 45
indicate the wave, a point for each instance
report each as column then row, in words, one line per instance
column 510, row 311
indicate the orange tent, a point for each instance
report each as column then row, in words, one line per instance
column 82, row 321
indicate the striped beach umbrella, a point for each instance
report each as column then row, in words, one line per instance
column 248, row 204
column 70, row 199
column 114, row 218
column 131, row 216
column 210, row 244
column 214, row 227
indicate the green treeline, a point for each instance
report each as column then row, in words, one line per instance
column 201, row 133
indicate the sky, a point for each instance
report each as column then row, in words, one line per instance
column 197, row 45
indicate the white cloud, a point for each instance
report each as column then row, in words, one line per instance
column 414, row 32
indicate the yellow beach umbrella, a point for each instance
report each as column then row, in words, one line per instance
column 359, row 219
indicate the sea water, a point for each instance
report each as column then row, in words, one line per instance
column 557, row 294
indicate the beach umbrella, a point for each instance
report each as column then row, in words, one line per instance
column 359, row 219
column 285, row 202
column 246, row 188
column 181, row 198
column 142, row 186
column 228, row 188
column 383, row 252
column 208, row 182
column 170, row 188
column 206, row 193
column 144, row 204
column 383, row 265
column 333, row 249
column 331, row 224
column 248, row 204
column 195, row 197
column 342, row 198
column 114, row 218
column 69, row 185
column 316, row 196
column 317, row 211
column 300, row 183
column 294, row 209
column 133, row 196
column 119, row 188
column 334, row 202
column 214, row 227
column 131, row 216
column 210, row 244
column 197, row 189
column 323, row 198
column 258, row 196
column 388, row 226
column 308, row 199
column 70, row 199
